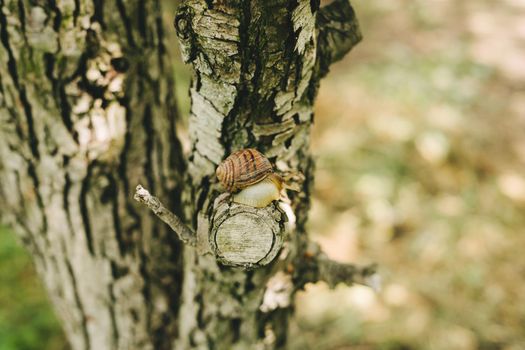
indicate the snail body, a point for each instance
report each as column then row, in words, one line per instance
column 250, row 177
column 261, row 194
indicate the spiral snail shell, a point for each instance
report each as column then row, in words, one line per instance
column 249, row 175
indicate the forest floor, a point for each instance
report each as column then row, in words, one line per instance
column 420, row 151
column 420, row 147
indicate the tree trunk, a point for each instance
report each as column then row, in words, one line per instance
column 87, row 113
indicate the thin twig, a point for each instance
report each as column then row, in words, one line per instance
column 185, row 233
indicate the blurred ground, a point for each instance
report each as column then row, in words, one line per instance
column 420, row 147
column 26, row 320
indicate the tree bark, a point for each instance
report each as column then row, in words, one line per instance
column 87, row 112
column 257, row 66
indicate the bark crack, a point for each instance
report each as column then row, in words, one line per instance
column 141, row 19
column 78, row 303
column 98, row 13
column 149, row 145
column 76, row 11
column 65, row 196
column 113, row 316
column 112, row 191
column 59, row 93
column 58, row 15
column 122, row 168
column 12, row 67
column 127, row 23
column 33, row 175
column 83, row 205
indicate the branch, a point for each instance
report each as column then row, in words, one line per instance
column 311, row 267
column 185, row 233
column 318, row 267
column 333, row 272
column 338, row 33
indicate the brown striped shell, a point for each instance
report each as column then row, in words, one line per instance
column 243, row 168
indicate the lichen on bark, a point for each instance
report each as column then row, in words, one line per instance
column 86, row 110
column 257, row 66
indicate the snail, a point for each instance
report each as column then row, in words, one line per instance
column 250, row 177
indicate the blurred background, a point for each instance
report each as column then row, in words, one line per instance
column 419, row 139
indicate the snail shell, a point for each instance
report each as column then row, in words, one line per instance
column 249, row 175
column 242, row 169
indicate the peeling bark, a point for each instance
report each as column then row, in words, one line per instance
column 257, row 66
column 87, row 113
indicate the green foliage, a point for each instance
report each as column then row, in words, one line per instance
column 26, row 319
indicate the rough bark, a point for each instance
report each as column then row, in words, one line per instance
column 257, row 66
column 87, row 113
